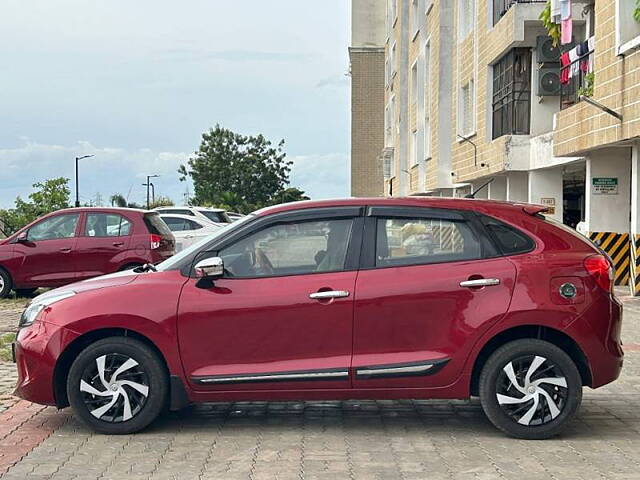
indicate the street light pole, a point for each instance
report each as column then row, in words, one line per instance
column 77, row 190
column 148, row 184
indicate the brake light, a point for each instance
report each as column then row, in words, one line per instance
column 600, row 270
column 155, row 241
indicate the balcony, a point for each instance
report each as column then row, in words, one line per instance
column 501, row 7
column 576, row 80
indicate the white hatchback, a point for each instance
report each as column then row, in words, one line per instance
column 188, row 230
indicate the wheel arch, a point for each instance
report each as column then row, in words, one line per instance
column 551, row 335
column 66, row 358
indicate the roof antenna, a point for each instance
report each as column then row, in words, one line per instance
column 473, row 195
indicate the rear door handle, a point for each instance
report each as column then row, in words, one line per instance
column 65, row 250
column 480, row 282
column 118, row 244
column 329, row 294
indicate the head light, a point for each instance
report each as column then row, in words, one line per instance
column 39, row 304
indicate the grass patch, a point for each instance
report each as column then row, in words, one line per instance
column 5, row 346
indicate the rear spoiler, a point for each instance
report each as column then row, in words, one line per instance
column 534, row 210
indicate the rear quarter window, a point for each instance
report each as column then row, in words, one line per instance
column 156, row 225
column 510, row 240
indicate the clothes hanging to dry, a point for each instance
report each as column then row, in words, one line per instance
column 566, row 68
column 566, row 23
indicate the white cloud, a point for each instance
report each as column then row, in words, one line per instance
column 321, row 176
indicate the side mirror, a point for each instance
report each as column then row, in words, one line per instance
column 23, row 237
column 209, row 268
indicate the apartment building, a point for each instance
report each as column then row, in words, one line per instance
column 475, row 92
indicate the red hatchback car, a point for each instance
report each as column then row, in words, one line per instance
column 75, row 244
column 339, row 300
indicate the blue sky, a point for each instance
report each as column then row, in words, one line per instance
column 137, row 82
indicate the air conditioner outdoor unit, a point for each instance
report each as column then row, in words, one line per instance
column 546, row 52
column 549, row 81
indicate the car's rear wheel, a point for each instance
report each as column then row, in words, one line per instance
column 117, row 385
column 530, row 389
column 5, row 284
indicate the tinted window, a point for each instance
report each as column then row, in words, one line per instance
column 107, row 225
column 175, row 224
column 218, row 217
column 509, row 240
column 291, row 248
column 60, row 226
column 191, row 225
column 156, row 225
column 415, row 241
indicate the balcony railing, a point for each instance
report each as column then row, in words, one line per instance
column 576, row 80
column 501, row 7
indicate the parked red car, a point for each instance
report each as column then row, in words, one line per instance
column 80, row 243
column 325, row 300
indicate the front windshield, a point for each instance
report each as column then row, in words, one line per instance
column 172, row 262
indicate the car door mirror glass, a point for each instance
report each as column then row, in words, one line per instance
column 209, row 268
column 22, row 237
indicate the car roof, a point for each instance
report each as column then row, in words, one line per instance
column 186, row 217
column 190, row 207
column 102, row 209
column 475, row 204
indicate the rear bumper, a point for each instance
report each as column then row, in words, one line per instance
column 597, row 332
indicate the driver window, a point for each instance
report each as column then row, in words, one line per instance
column 290, row 249
column 60, row 226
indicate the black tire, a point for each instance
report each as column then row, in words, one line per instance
column 555, row 409
column 6, row 284
column 149, row 371
column 25, row 292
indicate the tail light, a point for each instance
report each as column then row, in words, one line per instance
column 600, row 270
column 155, row 241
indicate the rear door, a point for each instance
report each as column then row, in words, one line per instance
column 103, row 243
column 431, row 283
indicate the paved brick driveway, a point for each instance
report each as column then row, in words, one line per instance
column 334, row 440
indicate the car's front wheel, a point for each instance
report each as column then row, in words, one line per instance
column 117, row 385
column 530, row 389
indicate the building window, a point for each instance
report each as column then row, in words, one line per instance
column 512, row 93
column 466, row 18
column 427, row 100
column 427, row 6
column 627, row 29
column 466, row 114
column 392, row 61
column 415, row 17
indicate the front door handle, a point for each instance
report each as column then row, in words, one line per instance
column 480, row 282
column 329, row 294
column 118, row 244
column 65, row 250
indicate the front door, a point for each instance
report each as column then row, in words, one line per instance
column 429, row 291
column 281, row 318
column 48, row 252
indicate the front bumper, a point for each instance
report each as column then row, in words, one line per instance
column 36, row 351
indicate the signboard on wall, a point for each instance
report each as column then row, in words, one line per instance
column 550, row 203
column 604, row 185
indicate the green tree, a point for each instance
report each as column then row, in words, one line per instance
column 49, row 196
column 241, row 173
column 161, row 202
column 118, row 200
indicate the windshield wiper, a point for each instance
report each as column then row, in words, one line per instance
column 147, row 267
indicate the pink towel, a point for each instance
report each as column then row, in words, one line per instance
column 566, row 26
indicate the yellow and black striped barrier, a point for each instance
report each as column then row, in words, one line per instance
column 635, row 266
column 618, row 247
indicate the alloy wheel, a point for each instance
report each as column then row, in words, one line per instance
column 532, row 390
column 115, row 388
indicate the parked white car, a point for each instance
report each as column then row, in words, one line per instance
column 216, row 215
column 234, row 216
column 189, row 229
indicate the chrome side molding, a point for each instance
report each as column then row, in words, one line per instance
column 331, row 374
column 401, row 369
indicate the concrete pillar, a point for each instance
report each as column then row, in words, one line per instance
column 498, row 188
column 609, row 210
column 635, row 189
column 545, row 187
column 518, row 186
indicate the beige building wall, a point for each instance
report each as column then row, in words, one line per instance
column 367, row 58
